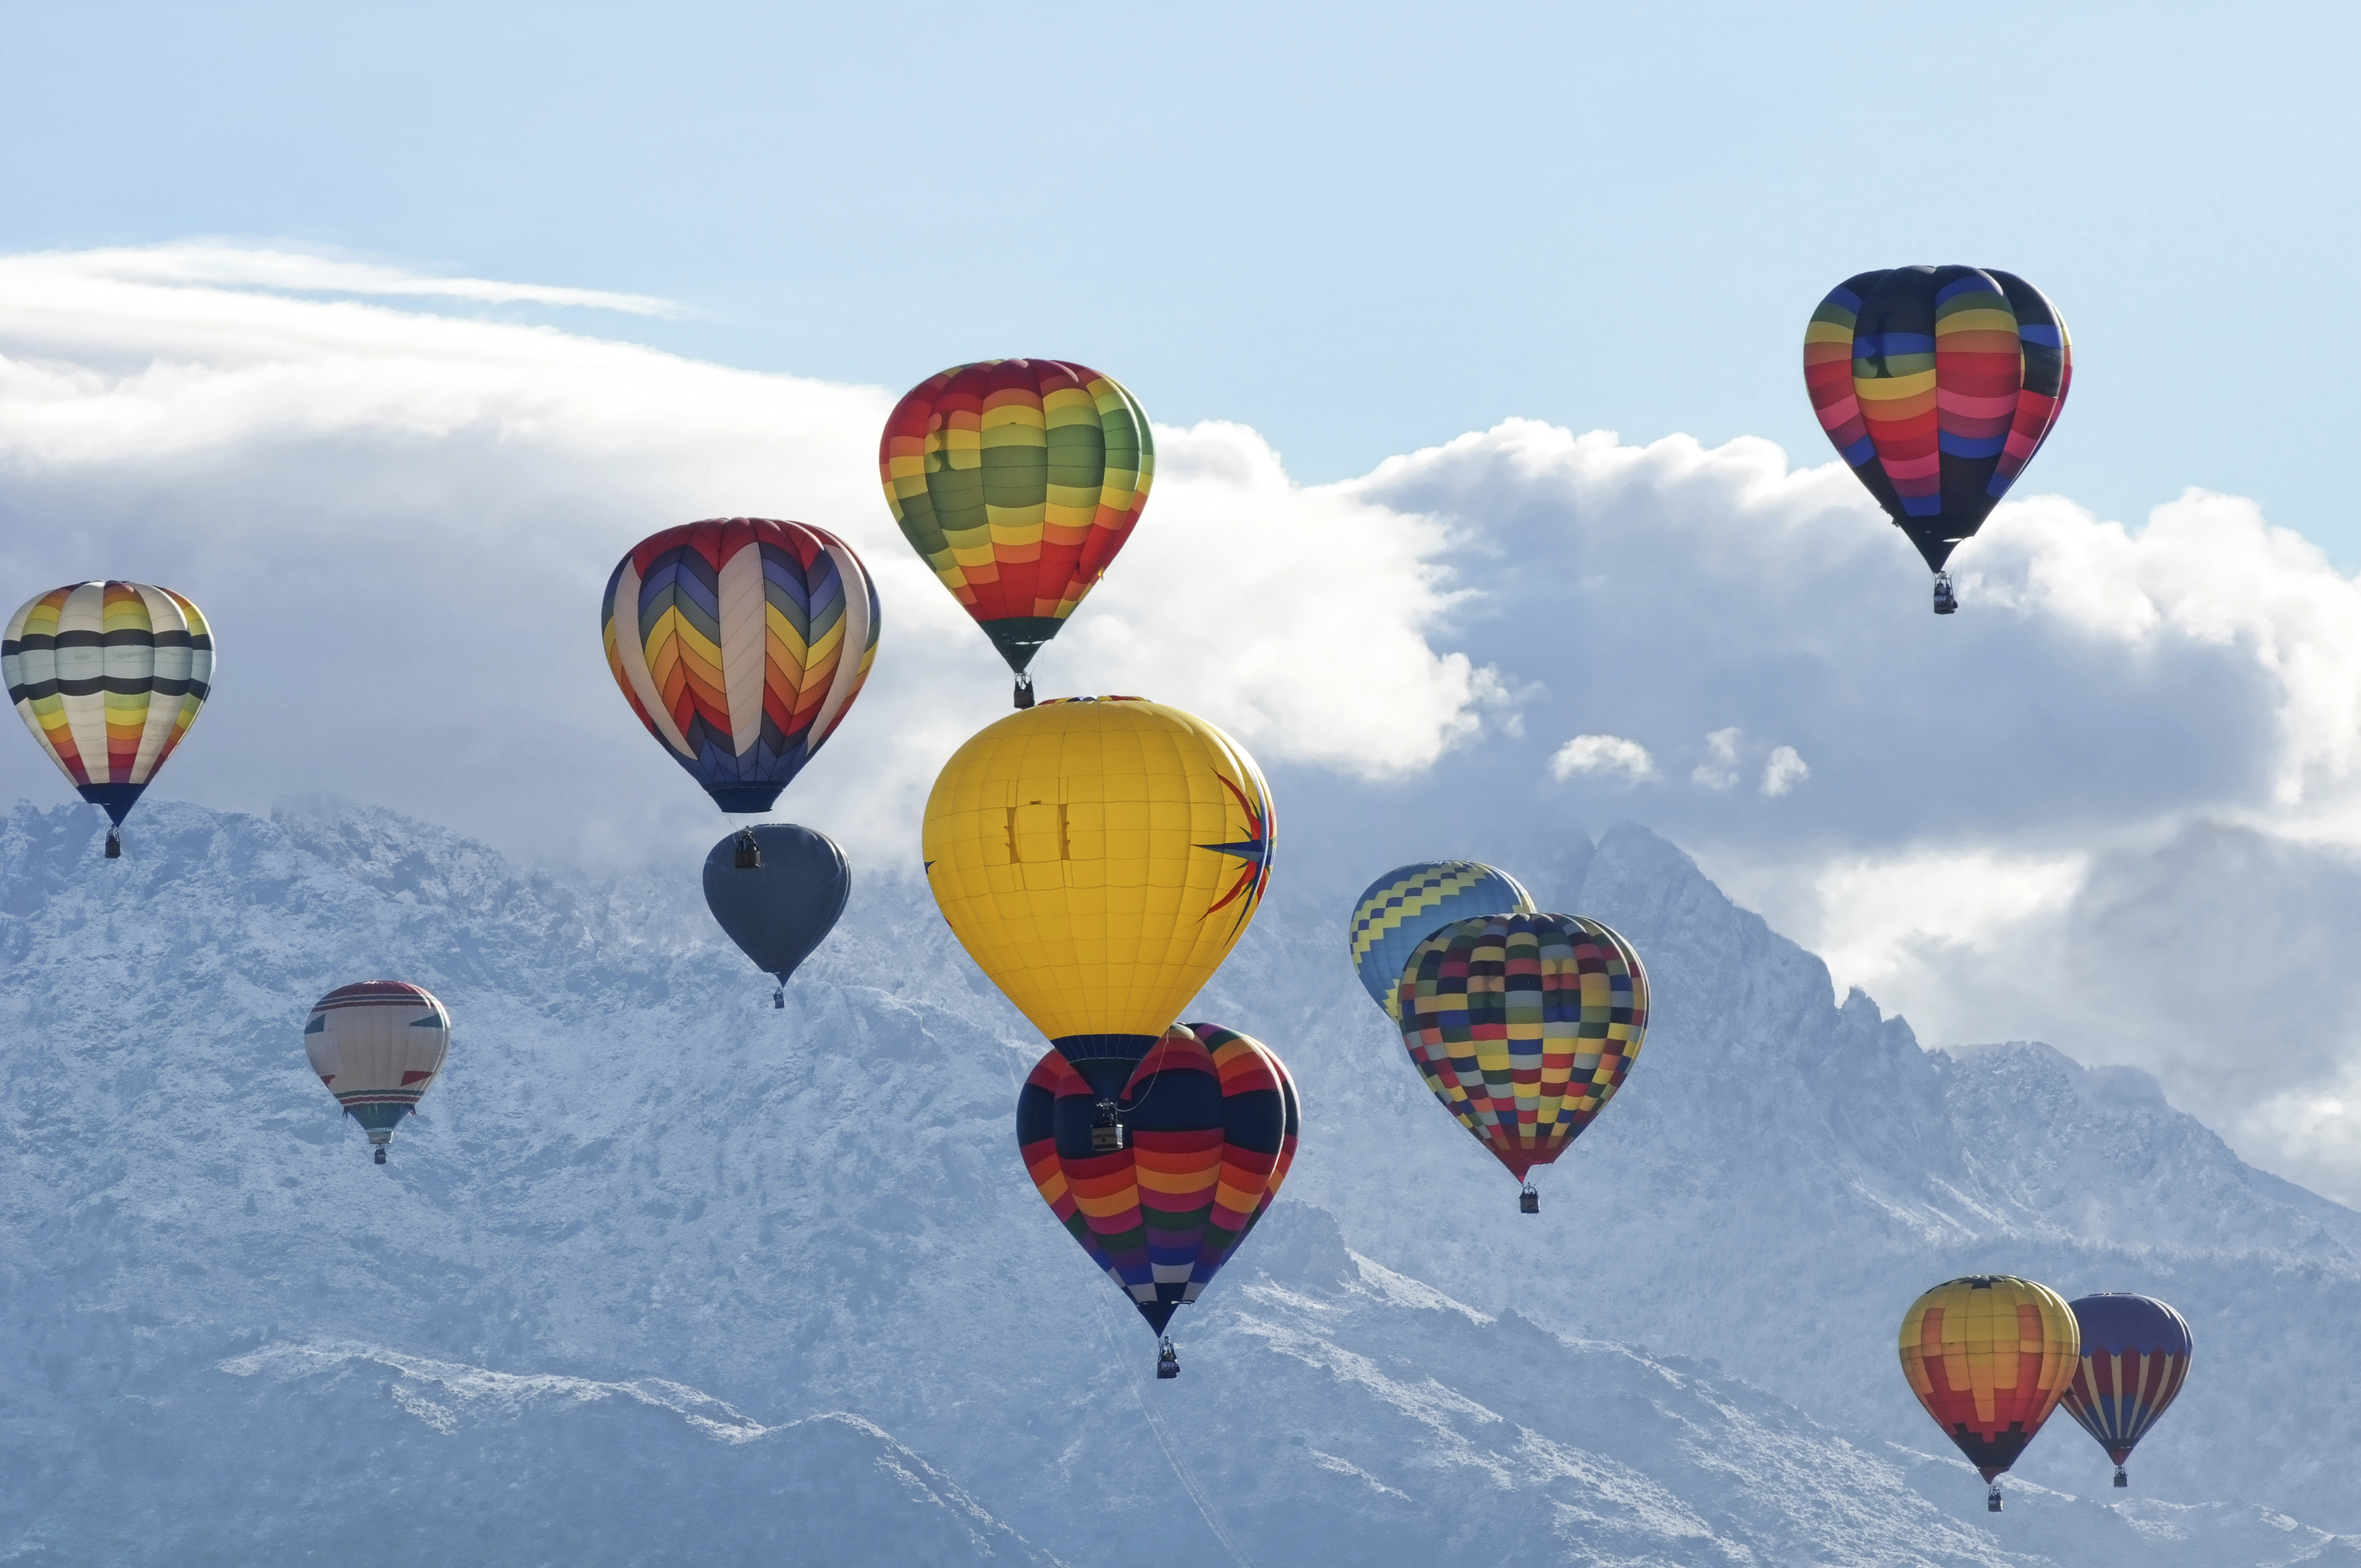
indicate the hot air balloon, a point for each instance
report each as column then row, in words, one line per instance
column 1990, row 1357
column 1160, row 1197
column 1018, row 480
column 1523, row 1025
column 377, row 1047
column 1410, row 904
column 2135, row 1356
column 1292, row 1131
column 108, row 676
column 1098, row 858
column 776, row 891
column 1938, row 384
column 741, row 642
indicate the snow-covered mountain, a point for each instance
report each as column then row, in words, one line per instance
column 661, row 1274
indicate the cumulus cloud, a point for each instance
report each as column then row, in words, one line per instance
column 2114, row 803
column 1783, row 771
column 391, row 514
column 1720, row 769
column 2172, row 707
column 1610, row 755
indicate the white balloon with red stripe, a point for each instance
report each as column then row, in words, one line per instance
column 377, row 1047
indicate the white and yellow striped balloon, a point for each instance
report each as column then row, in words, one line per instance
column 108, row 676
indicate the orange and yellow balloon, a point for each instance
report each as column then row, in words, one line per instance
column 1990, row 1357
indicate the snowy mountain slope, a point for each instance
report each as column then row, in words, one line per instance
column 1781, row 1175
column 636, row 1176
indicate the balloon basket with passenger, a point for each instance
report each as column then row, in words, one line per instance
column 1529, row 1199
column 1167, row 1360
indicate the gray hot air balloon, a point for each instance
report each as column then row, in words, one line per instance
column 777, row 889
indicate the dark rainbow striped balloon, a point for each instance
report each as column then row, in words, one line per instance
column 1938, row 384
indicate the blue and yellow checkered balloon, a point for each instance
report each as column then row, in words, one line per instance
column 1410, row 904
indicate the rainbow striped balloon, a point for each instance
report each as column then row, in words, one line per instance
column 1938, row 384
column 1209, row 1128
column 1018, row 480
column 108, row 676
column 741, row 644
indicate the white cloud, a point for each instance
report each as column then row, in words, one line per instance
column 1783, row 771
column 389, row 512
column 1720, row 769
column 1607, row 754
column 2115, row 802
column 230, row 266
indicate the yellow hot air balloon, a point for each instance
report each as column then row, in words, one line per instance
column 1098, row 858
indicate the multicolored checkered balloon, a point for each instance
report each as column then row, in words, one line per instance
column 1525, row 1026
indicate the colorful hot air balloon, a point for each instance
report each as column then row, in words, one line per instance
column 1018, row 480
column 377, row 1047
column 1287, row 1142
column 1160, row 1194
column 1410, row 904
column 1525, row 1026
column 2135, row 1356
column 1938, row 384
column 1990, row 1357
column 108, row 676
column 741, row 642
column 1098, row 858
column 776, row 890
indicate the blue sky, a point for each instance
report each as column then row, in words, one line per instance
column 1361, row 231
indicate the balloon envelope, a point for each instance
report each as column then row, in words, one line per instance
column 108, row 676
column 1410, row 904
column 1938, row 384
column 1525, row 1026
column 1203, row 1129
column 2135, row 1357
column 1017, row 480
column 741, row 644
column 779, row 910
column 1098, row 858
column 377, row 1047
column 1990, row 1357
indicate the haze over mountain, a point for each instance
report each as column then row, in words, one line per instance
column 660, row 1274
